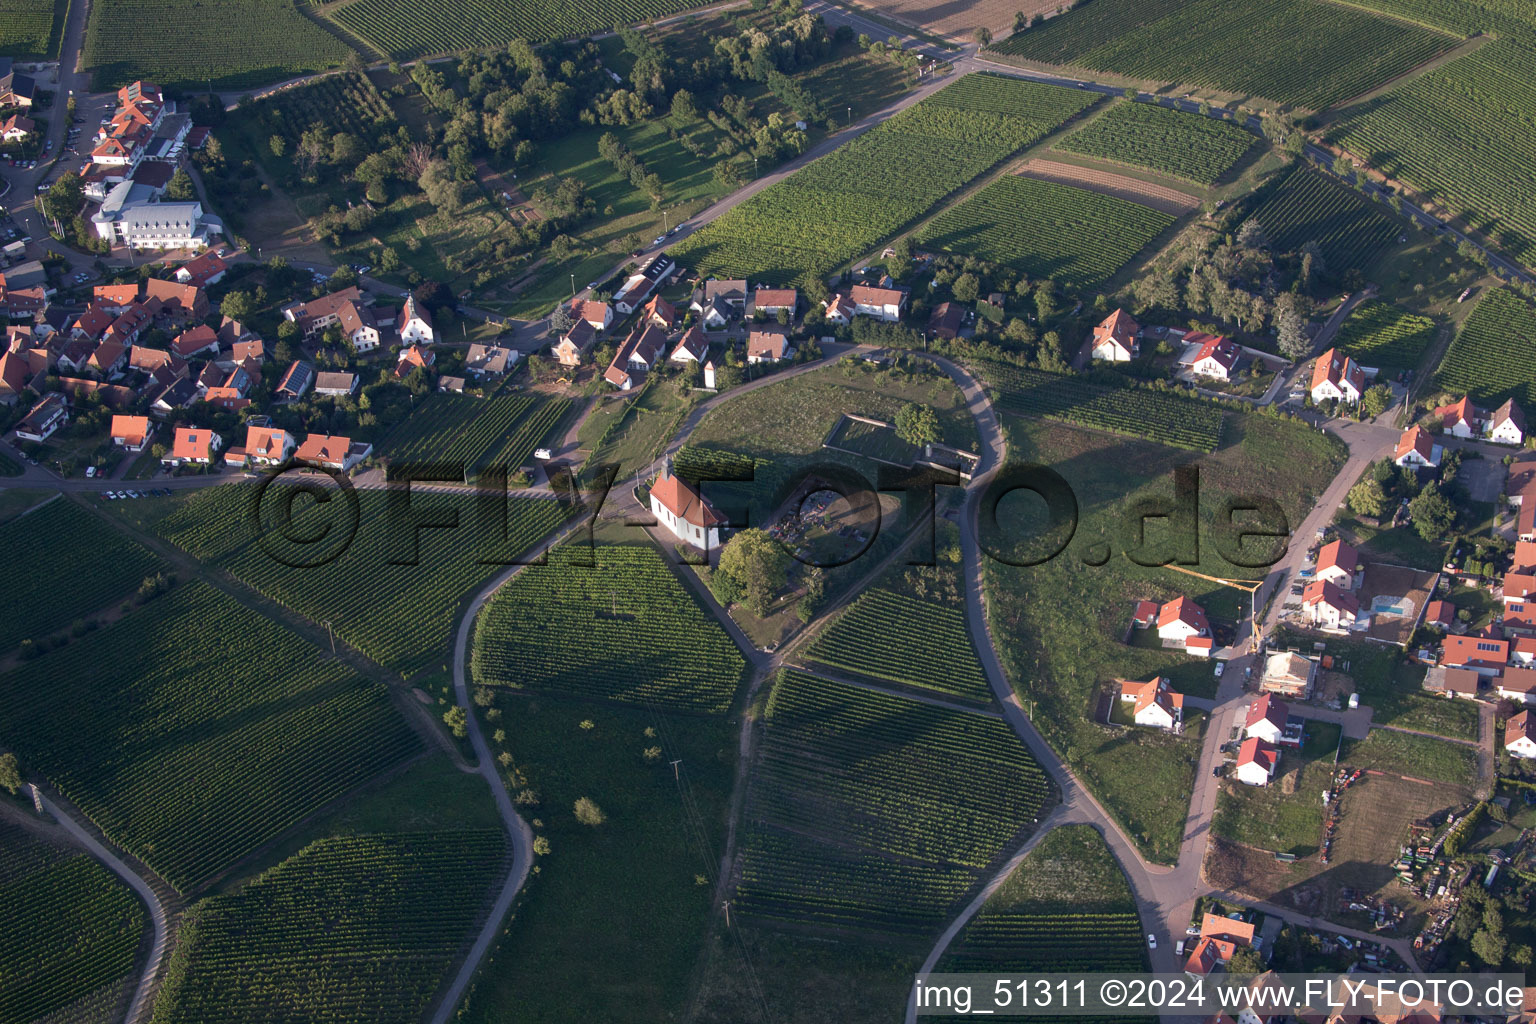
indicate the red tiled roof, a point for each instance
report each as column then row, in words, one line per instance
column 192, row 443
column 1334, row 366
column 195, row 340
column 773, row 298
column 324, row 449
column 687, row 504
column 1267, row 709
column 1416, row 439
column 1440, row 613
column 1338, row 554
column 1182, row 609
column 1213, row 346
column 1256, row 751
column 868, row 295
column 130, row 429
column 1458, row 412
column 1120, row 326
column 1322, row 591
column 1463, row 650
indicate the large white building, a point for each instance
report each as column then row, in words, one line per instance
column 131, row 216
column 685, row 512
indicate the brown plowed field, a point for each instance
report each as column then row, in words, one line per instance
column 1158, row 197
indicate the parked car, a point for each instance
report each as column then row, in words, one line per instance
column 1221, row 667
column 1151, row 941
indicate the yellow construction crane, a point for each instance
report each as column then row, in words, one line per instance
column 1251, row 587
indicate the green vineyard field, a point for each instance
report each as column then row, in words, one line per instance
column 76, row 565
column 401, row 615
column 188, row 43
column 1381, row 334
column 1465, row 135
column 1047, row 229
column 1066, row 907
column 194, row 730
column 30, row 28
column 69, row 930
column 1161, row 416
column 1307, row 52
column 1348, row 229
column 406, row 31
column 904, row 639
column 476, row 431
column 623, row 630
column 1494, row 356
column 844, row 204
column 1173, row 142
column 874, row 812
column 351, row 930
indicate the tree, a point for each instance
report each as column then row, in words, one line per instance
column 1376, row 399
column 753, row 567
column 966, row 287
column 10, row 773
column 588, row 813
column 1251, row 235
column 983, row 36
column 1433, row 514
column 541, row 846
column 457, row 721
column 1290, row 329
column 683, row 107
column 1489, row 947
column 278, row 145
column 1245, row 961
column 180, row 187
column 443, row 190
column 1368, row 498
column 561, row 320
column 917, row 424
column 238, row 305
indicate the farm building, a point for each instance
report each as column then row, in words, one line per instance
column 1288, row 675
column 1520, row 735
column 1337, row 377
column 1155, row 705
column 1115, row 339
column 685, row 512
column 1256, row 762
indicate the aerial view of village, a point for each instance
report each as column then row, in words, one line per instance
column 901, row 491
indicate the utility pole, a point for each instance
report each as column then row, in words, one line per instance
column 327, row 624
column 726, row 905
column 674, row 765
column 573, row 286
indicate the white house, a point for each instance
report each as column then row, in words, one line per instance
column 1217, row 357
column 196, row 445
column 1114, row 340
column 266, row 446
column 881, row 303
column 1417, row 449
column 414, row 324
column 1266, row 719
column 1256, row 762
column 1518, row 684
column 1156, row 706
column 1330, row 607
column 1181, row 619
column 685, row 512
column 1520, row 735
column 839, row 310
column 1339, row 564
column 1462, row 419
column 1336, row 376
column 48, row 415
column 1507, row 424
column 768, row 346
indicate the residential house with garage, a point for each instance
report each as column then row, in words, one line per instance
column 1337, row 377
column 1329, row 607
column 886, row 304
column 1154, row 704
column 1116, row 338
column 1256, row 762
column 1180, row 620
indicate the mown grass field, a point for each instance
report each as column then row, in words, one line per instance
column 69, row 930
column 1492, row 357
column 874, row 813
column 186, row 43
column 1161, row 139
column 844, row 204
column 350, row 929
column 624, row 629
column 1046, row 229
column 193, row 730
column 1420, row 757
column 1310, row 53
column 76, row 566
column 1268, row 817
column 1058, row 625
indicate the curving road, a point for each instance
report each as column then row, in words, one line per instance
column 138, row 1009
